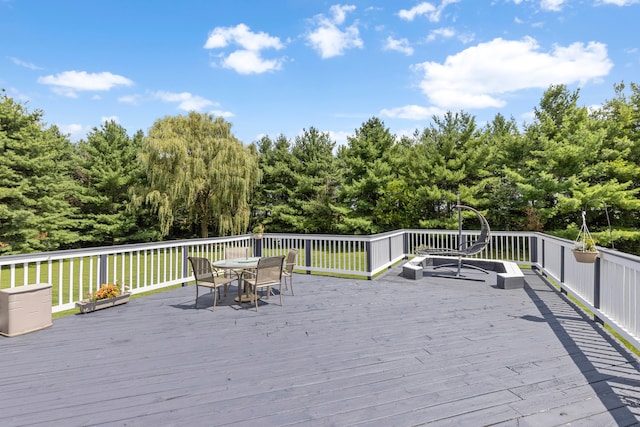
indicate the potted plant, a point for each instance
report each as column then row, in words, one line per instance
column 258, row 230
column 584, row 248
column 107, row 296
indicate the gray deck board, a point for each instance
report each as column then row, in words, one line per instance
column 341, row 352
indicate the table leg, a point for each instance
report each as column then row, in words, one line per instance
column 243, row 294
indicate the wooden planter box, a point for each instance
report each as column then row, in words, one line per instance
column 585, row 257
column 89, row 306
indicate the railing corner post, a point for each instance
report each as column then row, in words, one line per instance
column 562, row 264
column 405, row 245
column 102, row 274
column 185, row 264
column 596, row 290
column 257, row 247
column 369, row 260
column 533, row 255
column 307, row 254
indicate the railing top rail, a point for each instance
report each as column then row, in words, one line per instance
column 336, row 237
column 100, row 250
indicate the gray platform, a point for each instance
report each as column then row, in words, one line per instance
column 387, row 352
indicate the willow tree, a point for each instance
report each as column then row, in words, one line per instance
column 197, row 169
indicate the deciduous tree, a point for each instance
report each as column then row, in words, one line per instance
column 197, row 169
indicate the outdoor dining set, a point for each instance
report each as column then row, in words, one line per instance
column 252, row 274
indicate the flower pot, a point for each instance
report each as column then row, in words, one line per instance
column 585, row 256
column 89, row 306
column 257, row 236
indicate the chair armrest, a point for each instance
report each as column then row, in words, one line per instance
column 222, row 271
column 247, row 272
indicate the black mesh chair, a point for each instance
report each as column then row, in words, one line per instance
column 466, row 248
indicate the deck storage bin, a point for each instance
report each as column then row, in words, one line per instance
column 25, row 309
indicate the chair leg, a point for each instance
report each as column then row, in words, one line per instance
column 286, row 285
column 280, row 289
column 216, row 292
column 255, row 296
column 195, row 305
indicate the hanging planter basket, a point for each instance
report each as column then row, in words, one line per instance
column 585, row 256
column 584, row 250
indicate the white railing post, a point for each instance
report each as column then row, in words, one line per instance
column 596, row 291
column 102, row 270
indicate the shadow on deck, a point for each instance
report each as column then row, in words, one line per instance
column 391, row 351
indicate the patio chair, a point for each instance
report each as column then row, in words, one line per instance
column 238, row 252
column 267, row 274
column 466, row 248
column 206, row 276
column 233, row 253
column 287, row 271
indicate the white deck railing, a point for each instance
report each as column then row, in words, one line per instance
column 609, row 288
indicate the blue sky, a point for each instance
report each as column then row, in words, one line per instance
column 274, row 67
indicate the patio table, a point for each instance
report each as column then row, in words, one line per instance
column 240, row 267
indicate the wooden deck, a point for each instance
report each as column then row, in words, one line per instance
column 387, row 352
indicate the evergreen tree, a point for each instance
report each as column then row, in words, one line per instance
column 567, row 169
column 368, row 192
column 500, row 193
column 38, row 203
column 620, row 119
column 450, row 160
column 271, row 200
column 314, row 201
column 108, row 169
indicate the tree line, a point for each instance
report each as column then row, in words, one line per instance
column 189, row 176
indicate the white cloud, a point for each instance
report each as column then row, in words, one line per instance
column 417, row 10
column 130, row 99
column 186, row 101
column 411, row 112
column 241, row 35
column 328, row 39
column 68, row 82
column 552, row 5
column 105, row 119
column 619, row 2
column 221, row 113
column 401, row 45
column 24, row 64
column 74, row 130
column 248, row 59
column 339, row 137
column 445, row 33
column 339, row 12
column 469, row 80
column 432, row 12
